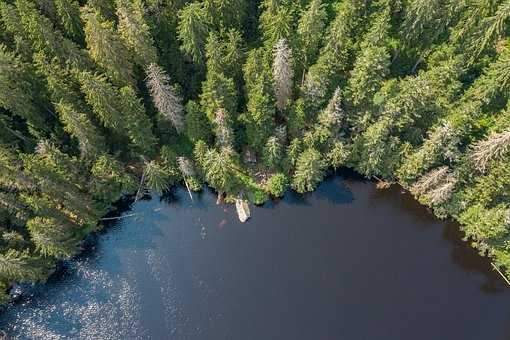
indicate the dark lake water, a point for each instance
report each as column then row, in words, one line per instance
column 347, row 262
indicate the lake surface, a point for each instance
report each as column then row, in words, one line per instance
column 346, row 262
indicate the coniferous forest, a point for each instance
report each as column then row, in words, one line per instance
column 105, row 98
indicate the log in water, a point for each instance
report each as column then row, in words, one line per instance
column 347, row 262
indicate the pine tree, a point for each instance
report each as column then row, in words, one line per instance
column 106, row 48
column 165, row 97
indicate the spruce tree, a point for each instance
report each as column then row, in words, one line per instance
column 260, row 114
column 52, row 238
column 47, row 39
column 18, row 87
column 119, row 110
column 225, row 13
column 193, row 31
column 323, row 77
column 312, row 24
column 283, row 73
column 135, row 33
column 23, row 266
column 106, row 48
column 218, row 92
column 68, row 12
column 310, row 168
column 219, row 167
column 14, row 30
column 165, row 97
column 197, row 126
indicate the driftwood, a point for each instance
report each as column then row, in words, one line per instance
column 187, row 187
column 118, row 218
column 500, row 273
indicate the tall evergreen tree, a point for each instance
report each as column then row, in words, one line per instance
column 14, row 30
column 309, row 171
column 45, row 38
column 106, row 48
column 283, row 73
column 18, row 87
column 134, row 31
column 312, row 24
column 165, row 97
column 68, row 12
column 193, row 31
column 52, row 238
column 322, row 77
column 226, row 13
column 119, row 110
column 23, row 266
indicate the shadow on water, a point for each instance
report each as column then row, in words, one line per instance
column 333, row 189
column 470, row 260
column 462, row 253
column 401, row 197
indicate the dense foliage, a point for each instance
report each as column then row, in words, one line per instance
column 103, row 98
